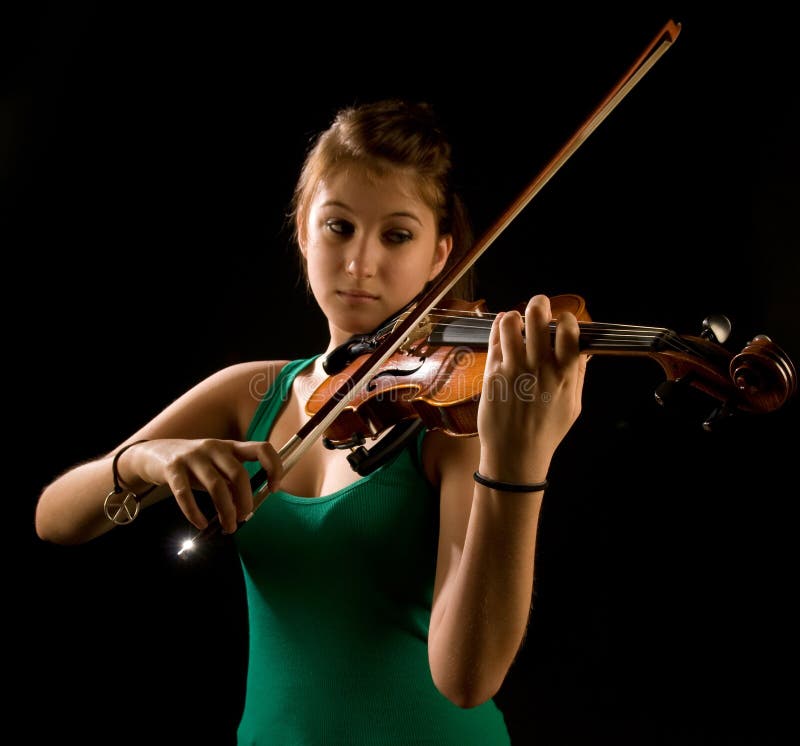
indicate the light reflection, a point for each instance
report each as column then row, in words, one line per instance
column 187, row 546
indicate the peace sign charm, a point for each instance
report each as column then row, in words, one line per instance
column 121, row 507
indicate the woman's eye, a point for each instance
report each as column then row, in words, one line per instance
column 340, row 227
column 398, row 236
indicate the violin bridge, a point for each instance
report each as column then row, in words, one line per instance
column 419, row 333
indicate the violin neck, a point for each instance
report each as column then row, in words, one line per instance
column 595, row 337
column 599, row 338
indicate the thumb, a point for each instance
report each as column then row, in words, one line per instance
column 263, row 452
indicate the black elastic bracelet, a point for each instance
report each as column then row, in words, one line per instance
column 122, row 510
column 114, row 467
column 509, row 486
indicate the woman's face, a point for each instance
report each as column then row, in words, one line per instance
column 370, row 246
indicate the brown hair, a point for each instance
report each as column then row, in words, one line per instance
column 382, row 137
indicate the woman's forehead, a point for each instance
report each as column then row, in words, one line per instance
column 401, row 185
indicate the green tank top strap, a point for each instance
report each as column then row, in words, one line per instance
column 275, row 398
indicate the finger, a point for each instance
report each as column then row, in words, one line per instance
column 181, row 488
column 567, row 340
column 269, row 459
column 583, row 361
column 538, row 343
column 495, row 350
column 238, row 482
column 570, row 361
column 511, row 339
column 578, row 392
column 263, row 452
column 577, row 396
column 211, row 480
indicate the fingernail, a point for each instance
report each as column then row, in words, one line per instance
column 247, row 517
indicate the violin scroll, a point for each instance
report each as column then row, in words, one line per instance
column 764, row 375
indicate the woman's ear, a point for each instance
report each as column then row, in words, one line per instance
column 443, row 248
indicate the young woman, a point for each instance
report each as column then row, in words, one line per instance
column 384, row 609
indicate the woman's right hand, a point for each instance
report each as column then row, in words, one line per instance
column 212, row 465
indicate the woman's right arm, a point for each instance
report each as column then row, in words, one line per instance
column 195, row 443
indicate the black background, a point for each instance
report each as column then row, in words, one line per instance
column 148, row 157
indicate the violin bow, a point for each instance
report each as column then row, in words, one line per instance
column 318, row 423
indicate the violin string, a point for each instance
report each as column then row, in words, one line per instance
column 587, row 327
column 592, row 331
column 596, row 333
column 489, row 318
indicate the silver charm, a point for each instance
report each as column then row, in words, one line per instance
column 121, row 507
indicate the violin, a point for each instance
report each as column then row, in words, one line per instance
column 426, row 368
column 436, row 374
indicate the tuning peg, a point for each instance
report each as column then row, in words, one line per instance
column 718, row 417
column 716, row 328
column 667, row 391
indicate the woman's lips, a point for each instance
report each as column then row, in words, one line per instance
column 356, row 296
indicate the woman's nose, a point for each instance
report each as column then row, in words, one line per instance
column 361, row 263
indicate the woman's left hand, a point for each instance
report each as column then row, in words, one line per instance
column 531, row 393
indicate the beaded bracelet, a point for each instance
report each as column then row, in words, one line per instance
column 509, row 486
column 122, row 510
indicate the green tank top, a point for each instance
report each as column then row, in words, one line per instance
column 339, row 592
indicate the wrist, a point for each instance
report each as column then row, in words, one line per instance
column 122, row 504
column 124, row 471
column 503, row 486
column 518, row 471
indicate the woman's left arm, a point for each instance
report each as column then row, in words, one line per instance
column 530, row 398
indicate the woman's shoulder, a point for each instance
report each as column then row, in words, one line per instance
column 252, row 375
column 245, row 384
column 253, row 372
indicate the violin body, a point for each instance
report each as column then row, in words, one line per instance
column 436, row 374
column 439, row 383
